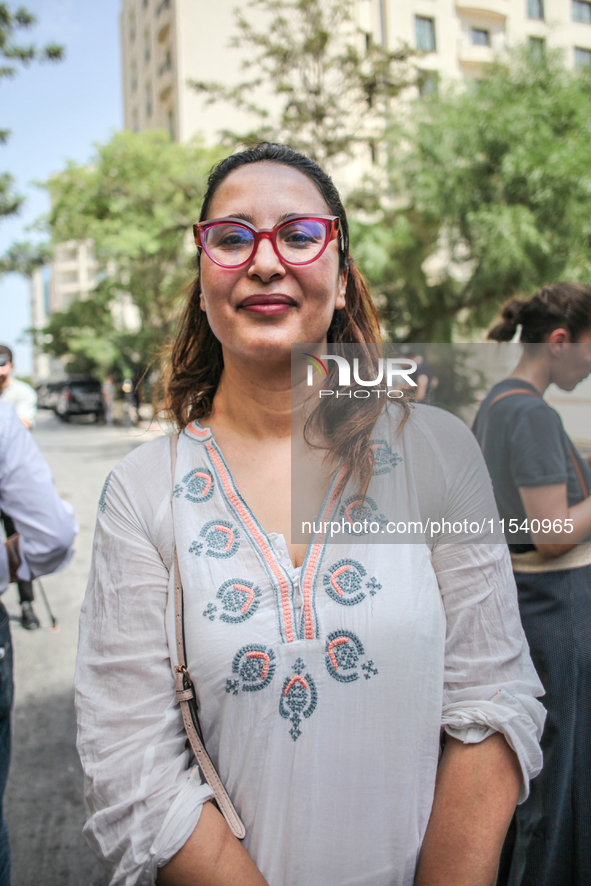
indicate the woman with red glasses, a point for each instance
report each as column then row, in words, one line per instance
column 325, row 674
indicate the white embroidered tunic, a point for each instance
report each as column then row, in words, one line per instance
column 322, row 691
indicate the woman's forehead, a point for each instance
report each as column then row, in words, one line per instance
column 266, row 191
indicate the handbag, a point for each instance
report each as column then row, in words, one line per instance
column 185, row 693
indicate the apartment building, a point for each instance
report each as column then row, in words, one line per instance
column 165, row 43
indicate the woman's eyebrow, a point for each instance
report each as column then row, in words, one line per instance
column 246, row 216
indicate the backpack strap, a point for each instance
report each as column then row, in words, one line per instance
column 513, row 392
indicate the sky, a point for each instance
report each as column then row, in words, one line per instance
column 55, row 113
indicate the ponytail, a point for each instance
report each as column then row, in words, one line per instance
column 558, row 305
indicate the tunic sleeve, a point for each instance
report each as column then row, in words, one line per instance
column 143, row 801
column 490, row 684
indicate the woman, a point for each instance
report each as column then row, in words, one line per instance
column 541, row 481
column 325, row 673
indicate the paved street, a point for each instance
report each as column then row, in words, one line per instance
column 44, row 799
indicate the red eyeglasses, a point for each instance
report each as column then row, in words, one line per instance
column 231, row 242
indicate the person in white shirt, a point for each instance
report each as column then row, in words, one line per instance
column 45, row 529
column 326, row 673
column 24, row 399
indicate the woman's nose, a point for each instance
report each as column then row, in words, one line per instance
column 265, row 263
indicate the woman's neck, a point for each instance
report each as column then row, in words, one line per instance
column 534, row 371
column 253, row 400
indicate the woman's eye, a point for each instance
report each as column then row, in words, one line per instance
column 301, row 236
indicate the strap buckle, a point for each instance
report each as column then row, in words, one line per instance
column 182, row 669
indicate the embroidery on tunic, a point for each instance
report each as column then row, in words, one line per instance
column 298, row 698
column 358, row 511
column 343, row 582
column 255, row 667
column 239, row 599
column 197, row 485
column 220, row 539
column 103, row 499
column 344, row 651
column 384, row 458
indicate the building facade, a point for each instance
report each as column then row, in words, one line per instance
column 166, row 43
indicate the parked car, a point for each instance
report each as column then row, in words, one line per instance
column 77, row 395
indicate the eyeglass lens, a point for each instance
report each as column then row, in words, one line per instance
column 297, row 242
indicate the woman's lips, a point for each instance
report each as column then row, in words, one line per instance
column 269, row 305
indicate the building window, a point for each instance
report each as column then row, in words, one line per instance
column 145, row 4
column 582, row 58
column 147, row 46
column 133, row 78
column 480, row 37
column 535, row 9
column 171, row 124
column 166, row 64
column 428, row 83
column 425, row 33
column 164, row 5
column 149, row 100
column 537, row 47
column 135, row 122
column 582, row 11
column 131, row 27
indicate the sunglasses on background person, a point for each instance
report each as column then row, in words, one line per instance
column 4, row 359
column 231, row 242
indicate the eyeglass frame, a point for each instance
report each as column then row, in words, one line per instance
column 332, row 231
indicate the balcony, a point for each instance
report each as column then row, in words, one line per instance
column 490, row 10
column 470, row 55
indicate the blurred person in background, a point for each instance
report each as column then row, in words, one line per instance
column 539, row 477
column 42, row 543
column 23, row 398
column 108, row 399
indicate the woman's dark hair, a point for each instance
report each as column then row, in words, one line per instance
column 556, row 306
column 196, row 361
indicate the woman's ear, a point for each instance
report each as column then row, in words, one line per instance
column 340, row 300
column 558, row 336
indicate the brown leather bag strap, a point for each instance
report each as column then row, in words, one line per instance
column 185, row 693
column 511, row 393
column 13, row 554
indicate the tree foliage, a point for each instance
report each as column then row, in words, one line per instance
column 136, row 201
column 492, row 187
column 12, row 54
column 314, row 81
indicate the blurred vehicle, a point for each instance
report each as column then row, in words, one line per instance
column 74, row 395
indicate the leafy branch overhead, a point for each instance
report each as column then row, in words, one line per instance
column 12, row 54
column 136, row 201
column 493, row 198
column 316, row 81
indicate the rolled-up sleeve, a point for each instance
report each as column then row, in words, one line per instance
column 46, row 524
column 490, row 683
column 143, row 799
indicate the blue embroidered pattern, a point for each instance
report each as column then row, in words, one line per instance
column 298, row 698
column 198, row 485
column 374, row 586
column 384, row 458
column 355, row 511
column 239, row 600
column 344, row 651
column 255, row 667
column 343, row 582
column 103, row 499
column 220, row 539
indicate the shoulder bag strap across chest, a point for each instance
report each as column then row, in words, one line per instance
column 511, row 393
column 185, row 693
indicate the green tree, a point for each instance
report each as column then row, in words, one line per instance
column 12, row 55
column 492, row 186
column 314, row 80
column 136, row 200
